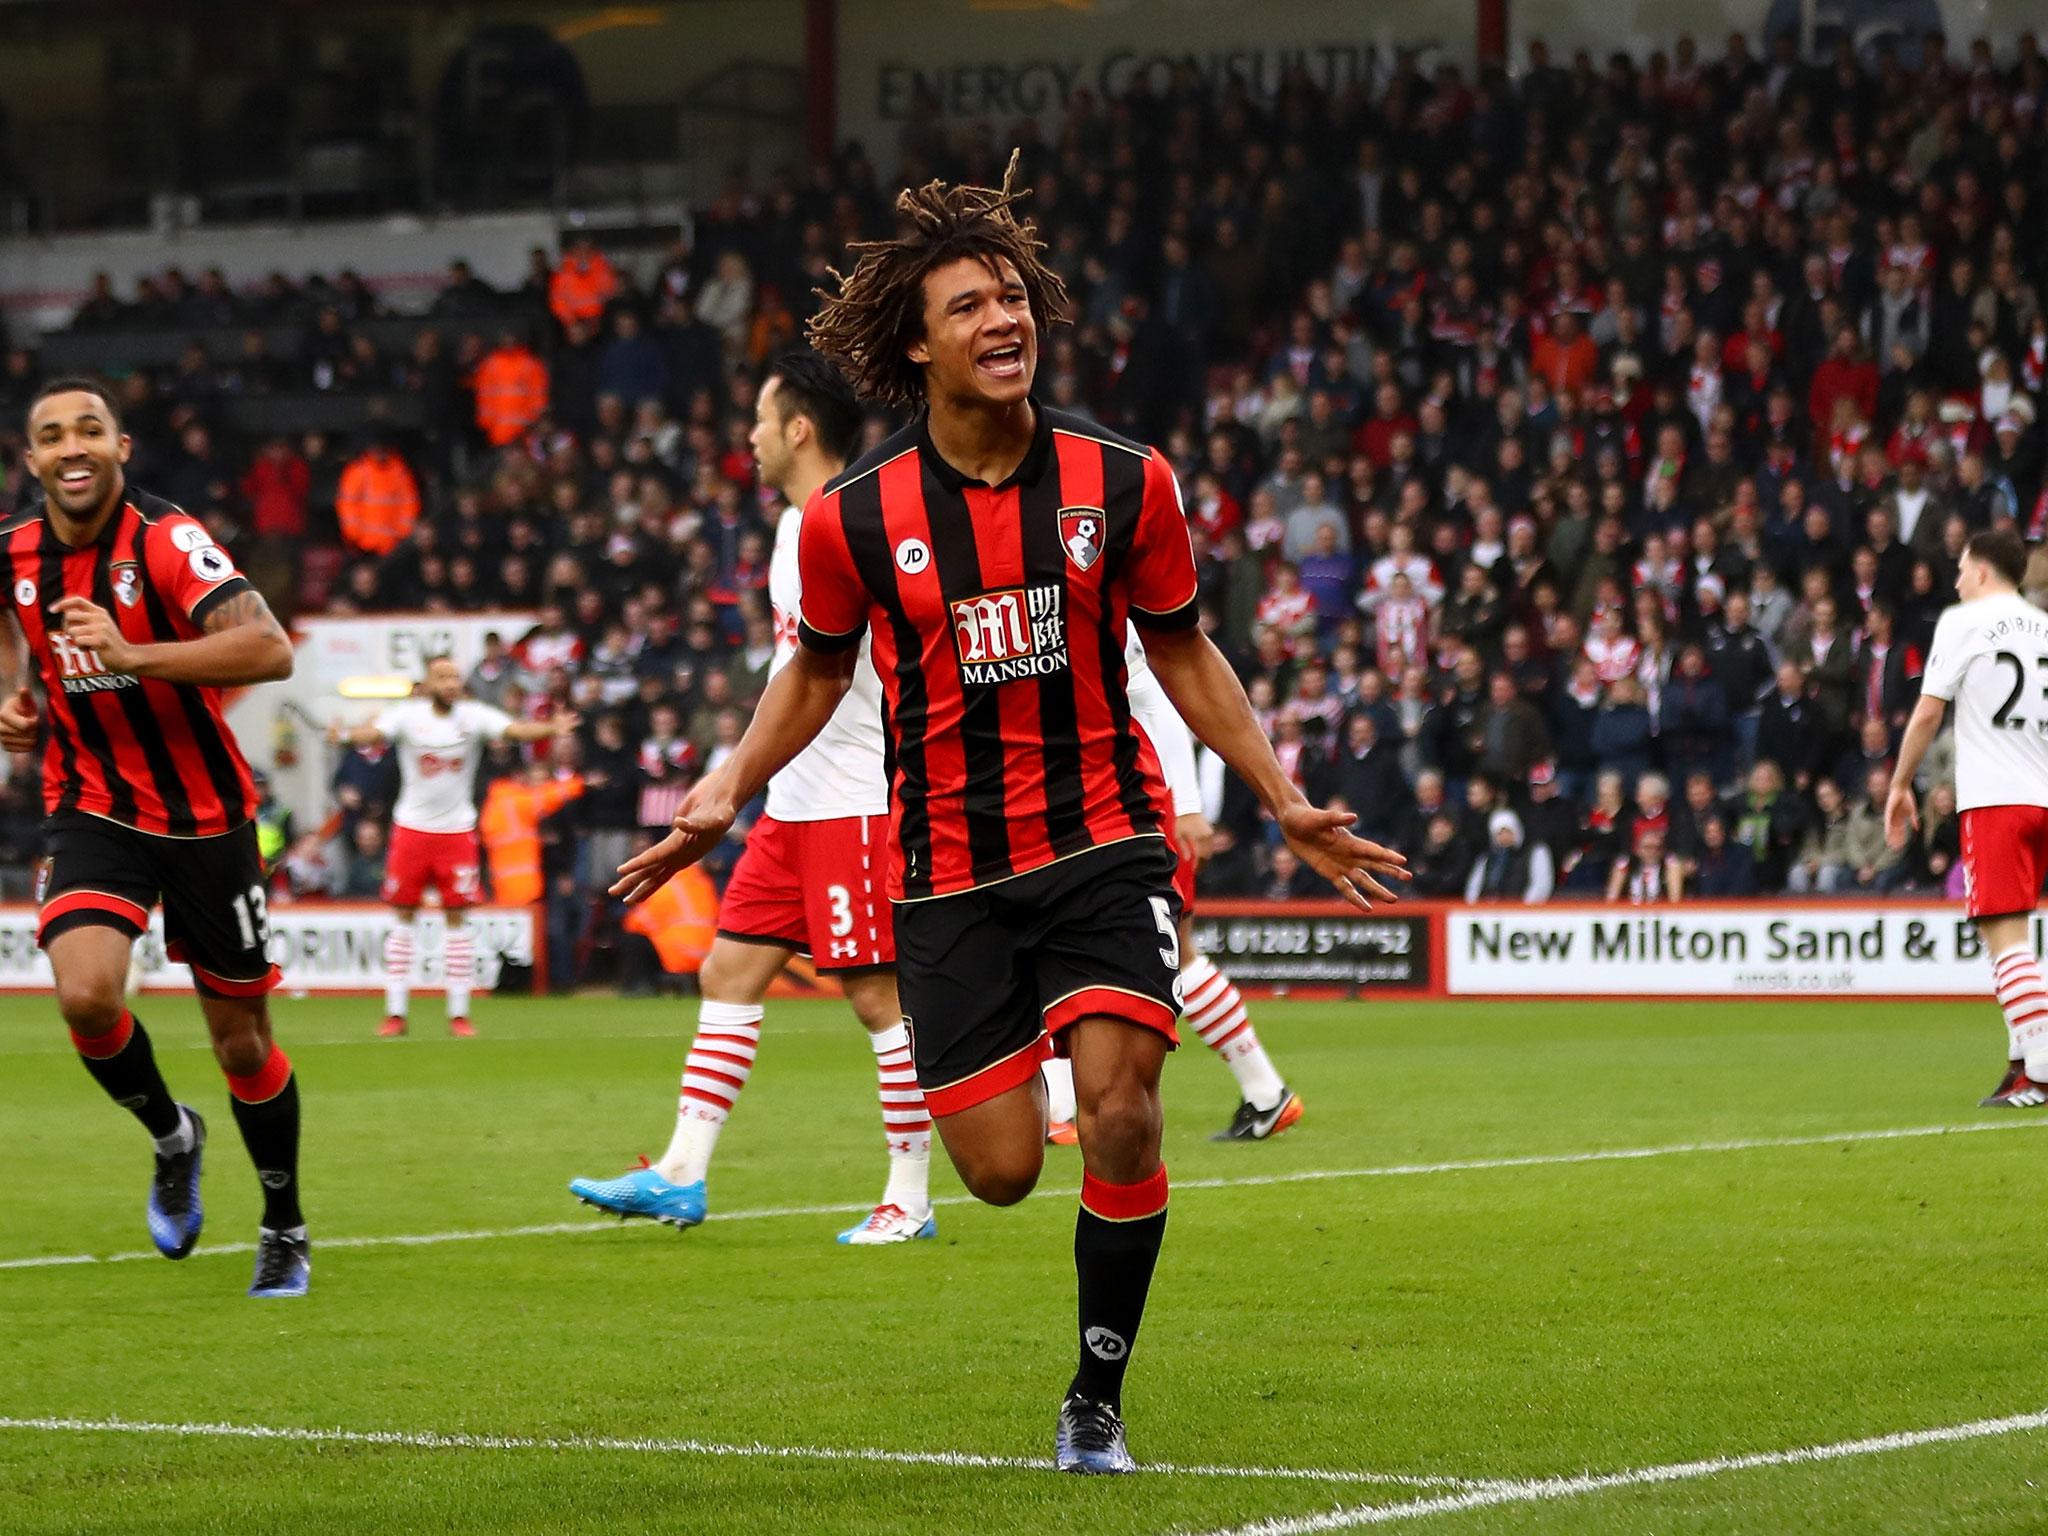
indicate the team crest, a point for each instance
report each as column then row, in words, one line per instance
column 1081, row 535
column 127, row 583
column 25, row 592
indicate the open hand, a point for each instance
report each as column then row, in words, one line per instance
column 1900, row 813
column 700, row 825
column 1322, row 840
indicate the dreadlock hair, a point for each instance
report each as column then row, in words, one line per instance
column 878, row 312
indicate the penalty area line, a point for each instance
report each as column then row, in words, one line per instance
column 432, row 1440
column 1489, row 1495
column 1249, row 1181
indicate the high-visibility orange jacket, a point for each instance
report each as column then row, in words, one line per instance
column 511, row 393
column 509, row 827
column 680, row 920
column 580, row 289
column 378, row 501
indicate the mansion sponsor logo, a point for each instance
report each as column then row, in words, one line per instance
column 81, row 670
column 1005, row 636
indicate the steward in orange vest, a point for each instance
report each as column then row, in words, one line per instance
column 511, row 386
column 582, row 285
column 509, row 828
column 378, row 500
column 680, row 920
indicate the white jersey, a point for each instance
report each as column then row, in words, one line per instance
column 840, row 773
column 438, row 759
column 1170, row 736
column 1990, row 658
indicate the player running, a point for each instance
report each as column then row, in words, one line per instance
column 810, row 878
column 1990, row 659
column 995, row 549
column 1214, row 1005
column 440, row 738
column 134, row 621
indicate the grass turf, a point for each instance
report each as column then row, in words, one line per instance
column 1515, row 1322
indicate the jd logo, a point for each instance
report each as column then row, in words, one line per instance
column 1105, row 1345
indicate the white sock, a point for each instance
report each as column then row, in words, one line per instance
column 906, row 1123
column 458, row 967
column 398, row 944
column 1059, row 1090
column 179, row 1140
column 2023, row 998
column 721, row 1058
column 1216, row 1008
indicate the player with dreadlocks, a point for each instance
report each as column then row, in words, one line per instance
column 995, row 549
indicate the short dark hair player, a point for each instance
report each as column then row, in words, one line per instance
column 134, row 621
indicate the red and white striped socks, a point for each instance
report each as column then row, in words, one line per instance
column 458, row 968
column 906, row 1123
column 398, row 952
column 720, row 1061
column 1216, row 1009
column 2023, row 997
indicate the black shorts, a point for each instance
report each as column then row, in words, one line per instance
column 990, row 977
column 212, row 889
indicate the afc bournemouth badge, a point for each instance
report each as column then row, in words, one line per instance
column 127, row 583
column 1081, row 535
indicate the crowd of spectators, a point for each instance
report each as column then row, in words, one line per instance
column 1577, row 458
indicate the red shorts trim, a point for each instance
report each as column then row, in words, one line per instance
column 1015, row 1068
column 815, row 887
column 128, row 914
column 2005, row 854
column 223, row 986
column 448, row 861
column 1184, row 867
column 1115, row 1003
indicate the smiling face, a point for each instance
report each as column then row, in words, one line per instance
column 980, row 342
column 76, row 450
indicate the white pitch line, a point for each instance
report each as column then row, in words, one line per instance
column 1550, row 1489
column 1253, row 1181
column 430, row 1440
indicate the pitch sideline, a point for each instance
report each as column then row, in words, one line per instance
column 431, row 1440
column 1252, row 1181
column 1489, row 1495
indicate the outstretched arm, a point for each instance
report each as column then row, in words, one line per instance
column 1206, row 693
column 794, row 708
column 243, row 643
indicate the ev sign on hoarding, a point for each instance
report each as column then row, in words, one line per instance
column 1682, row 951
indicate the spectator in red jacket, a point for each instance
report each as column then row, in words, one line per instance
column 276, row 485
column 1846, row 374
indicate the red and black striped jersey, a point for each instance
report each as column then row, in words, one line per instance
column 998, row 615
column 155, row 756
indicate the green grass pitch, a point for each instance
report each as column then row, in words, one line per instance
column 1530, row 1320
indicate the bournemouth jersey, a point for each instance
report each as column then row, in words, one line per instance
column 998, row 618
column 154, row 756
column 1991, row 658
